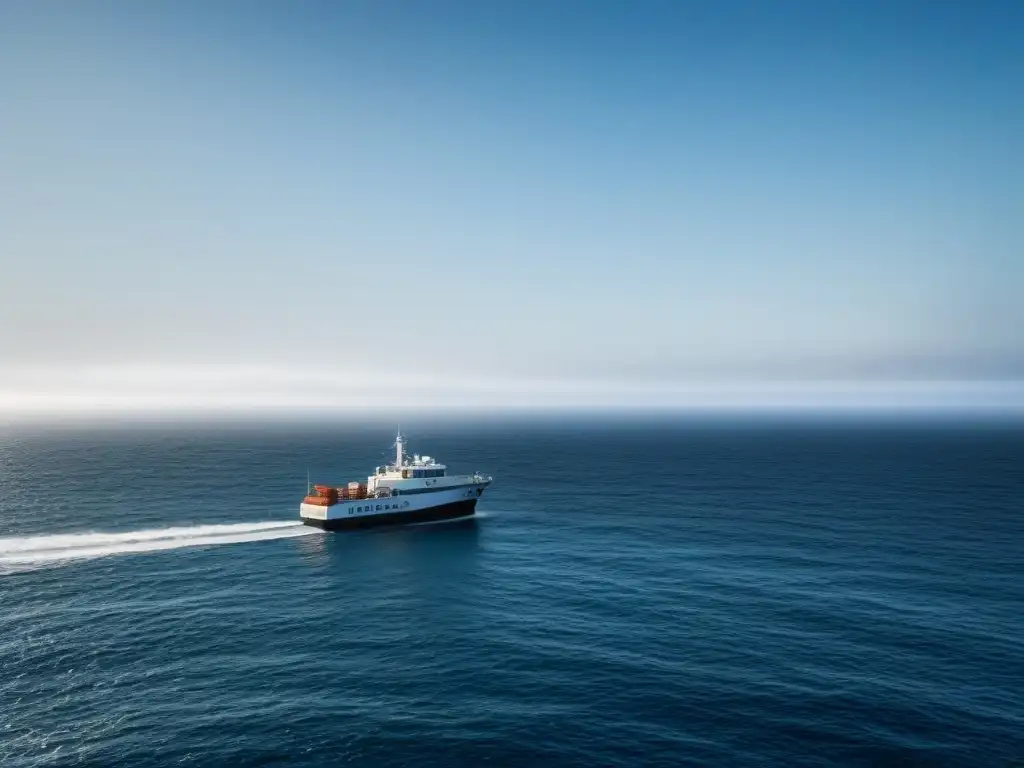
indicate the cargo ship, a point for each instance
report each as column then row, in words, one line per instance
column 414, row 489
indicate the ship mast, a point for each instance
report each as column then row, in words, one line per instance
column 399, row 449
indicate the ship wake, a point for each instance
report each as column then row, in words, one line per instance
column 28, row 552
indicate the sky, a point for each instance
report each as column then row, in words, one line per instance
column 355, row 204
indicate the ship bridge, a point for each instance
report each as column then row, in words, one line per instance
column 423, row 466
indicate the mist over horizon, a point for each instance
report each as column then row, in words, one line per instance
column 234, row 394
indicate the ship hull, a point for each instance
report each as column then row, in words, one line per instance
column 454, row 510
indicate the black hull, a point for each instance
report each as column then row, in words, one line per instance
column 457, row 509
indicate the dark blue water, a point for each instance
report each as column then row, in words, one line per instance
column 632, row 595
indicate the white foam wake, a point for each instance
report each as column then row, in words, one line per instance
column 69, row 546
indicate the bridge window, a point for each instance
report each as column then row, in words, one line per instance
column 420, row 473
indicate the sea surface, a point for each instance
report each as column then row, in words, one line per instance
column 632, row 594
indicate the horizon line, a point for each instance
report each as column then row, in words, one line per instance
column 168, row 391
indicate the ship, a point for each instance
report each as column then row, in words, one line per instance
column 415, row 489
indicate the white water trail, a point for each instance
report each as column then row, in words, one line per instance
column 27, row 550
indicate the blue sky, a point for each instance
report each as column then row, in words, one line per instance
column 581, row 194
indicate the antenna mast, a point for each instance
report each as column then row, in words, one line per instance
column 399, row 449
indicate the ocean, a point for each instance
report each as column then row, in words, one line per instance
column 682, row 592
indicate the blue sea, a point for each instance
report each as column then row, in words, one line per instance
column 682, row 592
